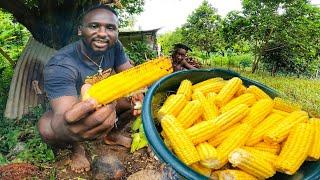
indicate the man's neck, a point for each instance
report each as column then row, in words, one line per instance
column 88, row 51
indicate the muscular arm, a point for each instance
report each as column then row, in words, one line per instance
column 71, row 120
column 58, row 124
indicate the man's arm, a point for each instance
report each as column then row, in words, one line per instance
column 72, row 120
column 124, row 66
column 187, row 65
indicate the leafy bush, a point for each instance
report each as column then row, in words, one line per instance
column 24, row 136
column 232, row 60
column 138, row 51
column 13, row 38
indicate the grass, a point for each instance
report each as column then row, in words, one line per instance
column 303, row 91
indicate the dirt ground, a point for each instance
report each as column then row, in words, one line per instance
column 142, row 159
column 139, row 160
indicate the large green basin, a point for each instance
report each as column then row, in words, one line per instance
column 309, row 170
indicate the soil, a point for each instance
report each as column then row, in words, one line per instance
column 133, row 162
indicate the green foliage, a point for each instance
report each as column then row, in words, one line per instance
column 13, row 37
column 167, row 41
column 202, row 30
column 131, row 7
column 228, row 60
column 140, row 51
column 24, row 132
column 284, row 34
column 139, row 139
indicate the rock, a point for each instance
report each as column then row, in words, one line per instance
column 146, row 174
column 107, row 167
column 19, row 147
column 169, row 173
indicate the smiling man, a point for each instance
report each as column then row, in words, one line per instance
column 70, row 120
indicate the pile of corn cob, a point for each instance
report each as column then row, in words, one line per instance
column 222, row 129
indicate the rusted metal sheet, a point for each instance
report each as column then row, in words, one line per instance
column 28, row 71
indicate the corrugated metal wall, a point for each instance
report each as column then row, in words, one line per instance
column 29, row 68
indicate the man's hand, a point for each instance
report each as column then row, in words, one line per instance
column 75, row 120
column 85, row 122
column 136, row 101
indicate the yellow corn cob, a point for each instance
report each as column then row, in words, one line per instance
column 314, row 153
column 201, row 169
column 212, row 87
column 185, row 88
column 295, row 149
column 231, row 117
column 173, row 105
column 235, row 140
column 248, row 99
column 210, row 111
column 181, row 144
column 122, row 84
column 272, row 148
column 284, row 105
column 280, row 131
column 282, row 113
column 260, row 94
column 268, row 156
column 208, row 81
column 168, row 144
column 211, row 96
column 232, row 174
column 190, row 113
column 251, row 163
column 228, row 91
column 207, row 129
column 216, row 140
column 262, row 128
column 200, row 119
column 241, row 91
column 207, row 154
column 258, row 112
column 202, row 131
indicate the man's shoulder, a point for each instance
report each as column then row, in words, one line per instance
column 66, row 55
column 117, row 45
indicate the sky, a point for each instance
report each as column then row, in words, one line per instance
column 170, row 14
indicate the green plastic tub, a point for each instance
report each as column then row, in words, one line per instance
column 309, row 170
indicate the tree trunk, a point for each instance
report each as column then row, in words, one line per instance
column 254, row 63
column 53, row 23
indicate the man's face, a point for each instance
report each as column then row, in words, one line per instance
column 99, row 29
column 180, row 55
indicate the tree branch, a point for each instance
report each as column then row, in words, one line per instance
column 20, row 11
column 7, row 57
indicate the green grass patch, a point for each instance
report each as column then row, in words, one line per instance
column 20, row 140
column 303, row 91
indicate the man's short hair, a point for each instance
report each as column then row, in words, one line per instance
column 85, row 11
column 182, row 46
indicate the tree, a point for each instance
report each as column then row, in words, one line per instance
column 284, row 33
column 202, row 29
column 54, row 23
column 13, row 37
column 167, row 40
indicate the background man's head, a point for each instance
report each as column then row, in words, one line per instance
column 180, row 52
column 99, row 27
